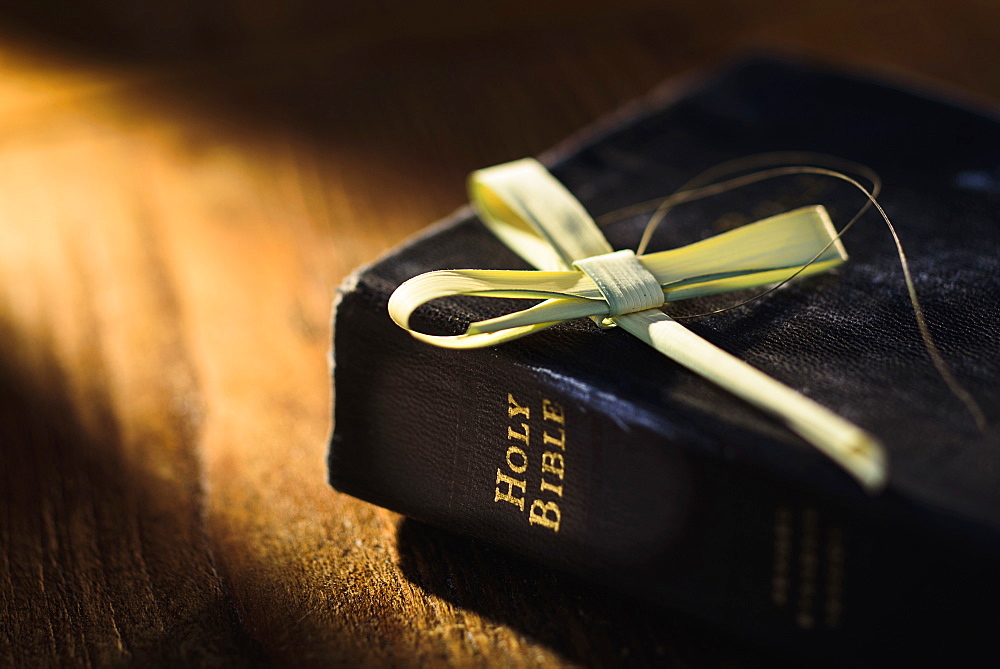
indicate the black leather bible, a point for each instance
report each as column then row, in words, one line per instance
column 634, row 473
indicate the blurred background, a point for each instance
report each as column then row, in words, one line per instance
column 182, row 186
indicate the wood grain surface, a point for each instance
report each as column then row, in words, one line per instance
column 175, row 213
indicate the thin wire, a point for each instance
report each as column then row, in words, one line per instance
column 756, row 161
column 698, row 193
column 687, row 194
column 664, row 204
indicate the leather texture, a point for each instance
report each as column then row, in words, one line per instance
column 668, row 476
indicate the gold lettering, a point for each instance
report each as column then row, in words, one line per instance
column 836, row 553
column 514, row 434
column 517, row 469
column 553, row 463
column 548, row 487
column 781, row 568
column 546, row 514
column 549, row 440
column 553, row 411
column 509, row 496
column 808, row 569
column 515, row 409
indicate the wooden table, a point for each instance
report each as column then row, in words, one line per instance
column 173, row 223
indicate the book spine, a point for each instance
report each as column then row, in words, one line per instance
column 543, row 465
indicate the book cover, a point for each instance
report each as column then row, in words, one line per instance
column 587, row 450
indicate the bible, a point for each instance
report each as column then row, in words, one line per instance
column 584, row 449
